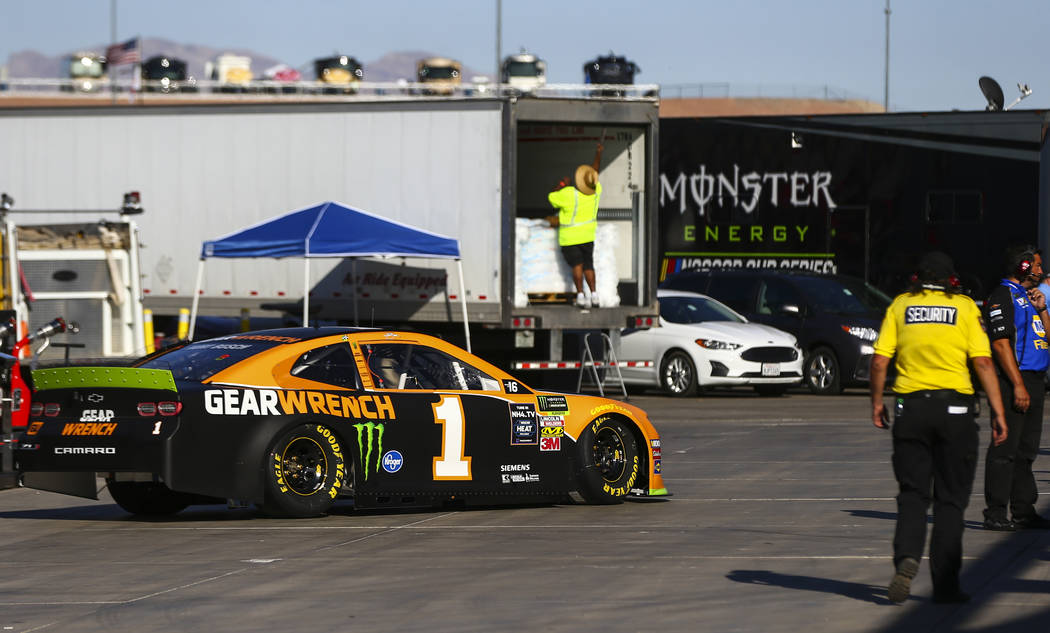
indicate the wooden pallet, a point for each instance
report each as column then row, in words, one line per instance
column 551, row 297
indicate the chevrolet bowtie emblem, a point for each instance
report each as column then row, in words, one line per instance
column 95, row 397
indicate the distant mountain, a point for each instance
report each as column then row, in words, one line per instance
column 390, row 67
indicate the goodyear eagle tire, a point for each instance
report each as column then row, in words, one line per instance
column 304, row 471
column 147, row 498
column 607, row 461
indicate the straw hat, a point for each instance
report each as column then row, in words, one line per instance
column 586, row 178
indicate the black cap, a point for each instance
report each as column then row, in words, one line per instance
column 937, row 265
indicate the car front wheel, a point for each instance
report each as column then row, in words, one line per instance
column 822, row 372
column 678, row 374
column 607, row 461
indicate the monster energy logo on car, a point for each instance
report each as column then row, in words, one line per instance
column 373, row 430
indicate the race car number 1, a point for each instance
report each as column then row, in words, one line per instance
column 451, row 464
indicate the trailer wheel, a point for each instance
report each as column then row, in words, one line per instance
column 147, row 498
column 304, row 472
column 607, row 461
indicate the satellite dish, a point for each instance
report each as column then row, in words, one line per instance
column 992, row 92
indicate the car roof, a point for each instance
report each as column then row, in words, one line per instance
column 303, row 333
column 667, row 292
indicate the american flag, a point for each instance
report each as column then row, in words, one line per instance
column 126, row 53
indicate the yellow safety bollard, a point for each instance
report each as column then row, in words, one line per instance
column 246, row 325
column 184, row 323
column 147, row 329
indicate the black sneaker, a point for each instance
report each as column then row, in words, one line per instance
column 1000, row 525
column 900, row 584
column 1032, row 522
column 951, row 597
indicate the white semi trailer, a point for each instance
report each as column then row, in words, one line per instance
column 468, row 169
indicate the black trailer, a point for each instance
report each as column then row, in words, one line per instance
column 862, row 195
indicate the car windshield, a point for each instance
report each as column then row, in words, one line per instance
column 203, row 360
column 843, row 296
column 80, row 67
column 695, row 310
column 523, row 69
column 165, row 69
column 430, row 73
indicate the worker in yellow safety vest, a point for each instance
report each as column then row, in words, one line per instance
column 576, row 200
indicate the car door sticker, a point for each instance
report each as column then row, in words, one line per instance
column 552, row 404
column 452, row 463
column 524, row 429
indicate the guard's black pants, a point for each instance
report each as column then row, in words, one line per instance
column 1008, row 477
column 934, row 443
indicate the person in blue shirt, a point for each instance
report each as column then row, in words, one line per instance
column 1017, row 320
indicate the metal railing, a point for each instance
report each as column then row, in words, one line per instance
column 725, row 90
column 124, row 90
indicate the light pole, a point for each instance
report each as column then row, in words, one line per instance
column 886, row 81
column 499, row 34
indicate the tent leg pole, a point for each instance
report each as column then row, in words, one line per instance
column 306, row 292
column 196, row 298
column 463, row 302
column 353, row 288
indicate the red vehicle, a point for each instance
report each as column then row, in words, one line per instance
column 20, row 392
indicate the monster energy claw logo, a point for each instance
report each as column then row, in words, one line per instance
column 366, row 449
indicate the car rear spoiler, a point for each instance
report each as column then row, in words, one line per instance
column 98, row 377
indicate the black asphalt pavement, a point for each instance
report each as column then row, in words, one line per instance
column 781, row 520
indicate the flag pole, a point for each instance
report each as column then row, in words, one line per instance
column 112, row 42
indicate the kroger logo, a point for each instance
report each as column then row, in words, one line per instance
column 392, row 461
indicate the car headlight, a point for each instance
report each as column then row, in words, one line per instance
column 710, row 343
column 863, row 333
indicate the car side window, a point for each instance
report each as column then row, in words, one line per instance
column 331, row 364
column 406, row 366
column 774, row 294
column 737, row 292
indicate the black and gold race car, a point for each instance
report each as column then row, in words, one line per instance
column 292, row 419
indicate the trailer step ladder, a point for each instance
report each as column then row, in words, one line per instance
column 588, row 358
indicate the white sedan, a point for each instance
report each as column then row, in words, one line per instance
column 704, row 343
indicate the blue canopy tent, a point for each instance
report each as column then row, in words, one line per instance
column 330, row 229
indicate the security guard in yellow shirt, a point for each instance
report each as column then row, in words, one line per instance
column 576, row 200
column 933, row 330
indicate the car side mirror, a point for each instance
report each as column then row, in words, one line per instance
column 790, row 308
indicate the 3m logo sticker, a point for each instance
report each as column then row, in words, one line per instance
column 550, row 443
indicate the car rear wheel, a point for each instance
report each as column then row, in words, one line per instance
column 822, row 372
column 304, row 471
column 678, row 374
column 147, row 498
column 607, row 461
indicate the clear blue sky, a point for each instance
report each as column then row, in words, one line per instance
column 938, row 48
